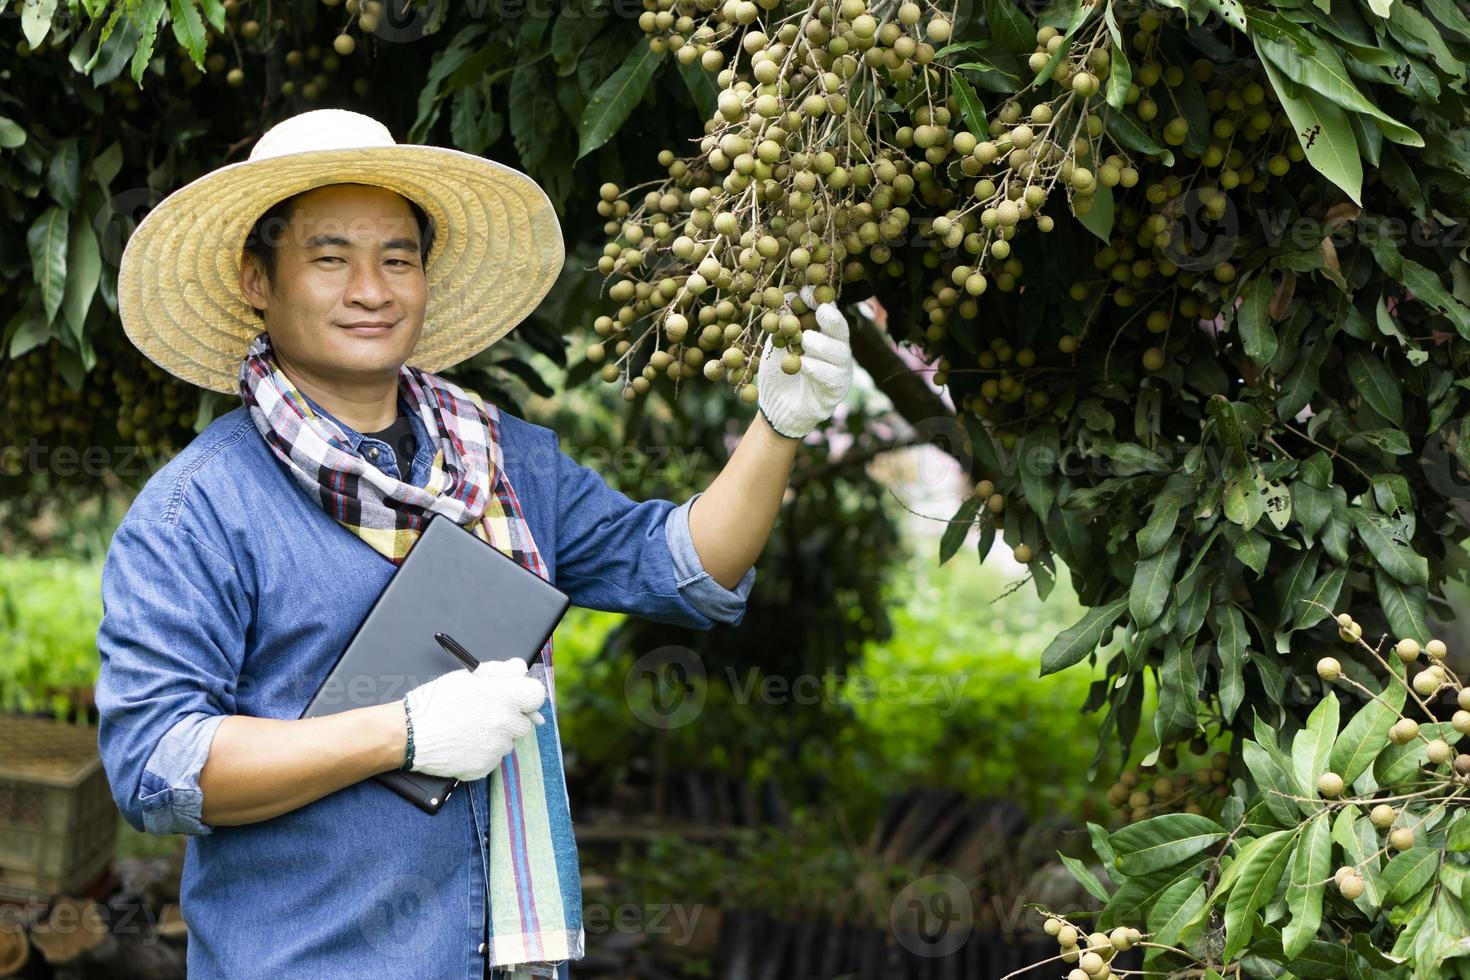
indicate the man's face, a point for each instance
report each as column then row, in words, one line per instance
column 347, row 302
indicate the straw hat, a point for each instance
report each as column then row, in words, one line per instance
column 497, row 248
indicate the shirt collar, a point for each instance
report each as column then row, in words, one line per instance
column 355, row 438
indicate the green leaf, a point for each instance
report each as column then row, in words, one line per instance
column 1325, row 590
column 1253, row 549
column 1181, row 902
column 614, row 100
column 1257, row 336
column 1312, row 507
column 1408, row 872
column 1178, row 490
column 1398, row 560
column 1099, row 219
column 1234, row 642
column 1131, row 135
column 189, row 29
column 1008, row 25
column 1458, row 838
column 1366, row 733
column 1404, row 606
column 147, row 16
column 1377, row 386
column 436, row 88
column 83, row 272
column 1244, row 503
column 105, row 165
column 1423, row 282
column 1272, row 780
column 1153, row 580
column 1082, row 637
column 1037, row 452
column 702, row 87
column 1323, row 131
column 1292, row 583
column 35, row 20
column 1311, row 748
column 958, row 527
column 1158, row 842
column 1085, row 877
column 1230, row 11
column 214, row 12
column 46, row 242
column 1309, row 871
column 64, row 175
column 1260, row 873
column 1359, row 841
column 971, row 108
column 1121, row 74
column 1323, row 72
column 11, row 134
column 1179, row 687
column 1399, row 762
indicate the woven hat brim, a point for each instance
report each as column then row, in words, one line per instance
column 497, row 251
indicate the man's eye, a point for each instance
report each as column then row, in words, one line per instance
column 328, row 258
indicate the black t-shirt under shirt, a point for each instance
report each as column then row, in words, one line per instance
column 399, row 435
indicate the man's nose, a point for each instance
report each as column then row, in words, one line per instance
column 367, row 286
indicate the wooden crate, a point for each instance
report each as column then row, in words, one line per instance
column 58, row 823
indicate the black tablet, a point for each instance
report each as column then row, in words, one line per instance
column 452, row 582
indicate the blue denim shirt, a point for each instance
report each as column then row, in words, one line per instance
column 226, row 590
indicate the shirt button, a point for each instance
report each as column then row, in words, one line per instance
column 373, row 452
column 482, row 949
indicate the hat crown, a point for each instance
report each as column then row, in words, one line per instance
column 321, row 129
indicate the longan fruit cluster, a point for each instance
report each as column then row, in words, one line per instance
column 1092, row 952
column 1145, row 792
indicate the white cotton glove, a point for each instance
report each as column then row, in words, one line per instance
column 794, row 403
column 464, row 723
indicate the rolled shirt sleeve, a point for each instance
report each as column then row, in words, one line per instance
column 698, row 586
column 620, row 556
column 171, row 644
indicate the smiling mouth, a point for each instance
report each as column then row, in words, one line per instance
column 367, row 328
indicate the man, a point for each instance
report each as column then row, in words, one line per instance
column 244, row 565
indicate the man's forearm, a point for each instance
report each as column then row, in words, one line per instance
column 731, row 521
column 259, row 768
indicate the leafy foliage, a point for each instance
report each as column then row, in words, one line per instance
column 1379, row 799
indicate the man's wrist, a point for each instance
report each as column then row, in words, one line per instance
column 407, row 763
column 761, row 408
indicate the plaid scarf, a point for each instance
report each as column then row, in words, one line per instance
column 535, row 888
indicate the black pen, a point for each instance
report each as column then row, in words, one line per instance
column 465, row 657
column 460, row 653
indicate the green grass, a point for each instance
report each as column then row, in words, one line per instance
column 49, row 612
